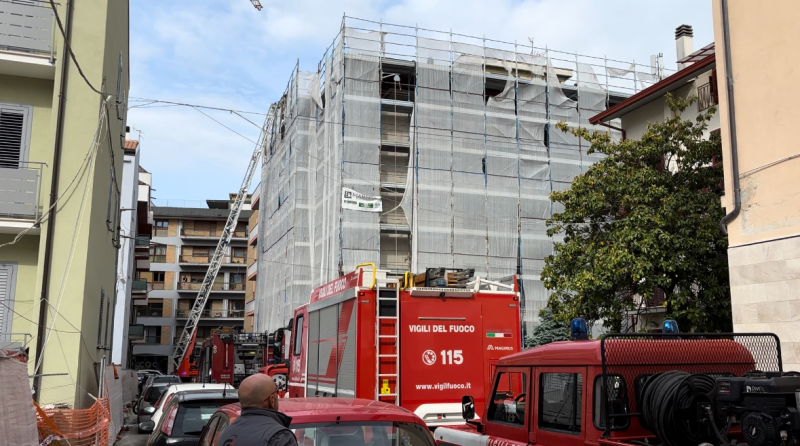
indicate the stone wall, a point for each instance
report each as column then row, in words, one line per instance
column 765, row 292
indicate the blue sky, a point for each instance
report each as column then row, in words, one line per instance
column 226, row 54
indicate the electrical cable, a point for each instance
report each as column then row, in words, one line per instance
column 69, row 48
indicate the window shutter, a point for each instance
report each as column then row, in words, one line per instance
column 6, row 272
column 12, row 124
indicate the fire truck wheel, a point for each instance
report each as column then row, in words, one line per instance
column 280, row 381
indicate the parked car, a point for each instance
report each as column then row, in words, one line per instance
column 157, row 409
column 336, row 422
column 144, row 408
column 142, row 376
column 185, row 416
column 151, row 396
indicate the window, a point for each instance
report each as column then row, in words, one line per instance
column 161, row 228
column 152, row 335
column 508, row 399
column 15, row 132
column 7, row 285
column 239, row 252
column 223, row 423
column 158, row 276
column 616, row 399
column 560, row 401
column 298, row 336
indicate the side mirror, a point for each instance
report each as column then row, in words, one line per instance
column 468, row 407
column 146, row 427
column 150, row 410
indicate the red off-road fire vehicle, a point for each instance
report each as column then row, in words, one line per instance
column 418, row 344
column 667, row 388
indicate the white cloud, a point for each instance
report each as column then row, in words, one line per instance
column 227, row 54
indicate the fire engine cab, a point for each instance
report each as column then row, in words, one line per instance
column 231, row 357
column 669, row 388
column 420, row 342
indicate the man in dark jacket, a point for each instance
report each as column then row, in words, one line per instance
column 260, row 423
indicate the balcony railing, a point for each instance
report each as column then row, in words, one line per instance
column 142, row 241
column 210, row 233
column 253, row 234
column 250, row 307
column 149, row 312
column 20, row 181
column 14, row 340
column 26, row 28
column 211, row 314
column 158, row 259
column 161, row 285
column 160, row 232
column 139, row 286
column 252, row 269
column 706, row 97
column 205, row 260
column 152, row 339
column 217, row 286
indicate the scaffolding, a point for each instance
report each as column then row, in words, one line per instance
column 455, row 135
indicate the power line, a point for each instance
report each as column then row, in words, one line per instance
column 159, row 101
column 234, row 131
column 69, row 48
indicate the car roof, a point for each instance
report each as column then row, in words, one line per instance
column 321, row 410
column 179, row 387
column 205, row 394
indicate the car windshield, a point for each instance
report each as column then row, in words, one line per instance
column 193, row 415
column 362, row 434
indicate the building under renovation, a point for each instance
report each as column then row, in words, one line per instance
column 411, row 148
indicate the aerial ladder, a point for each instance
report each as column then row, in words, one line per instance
column 187, row 340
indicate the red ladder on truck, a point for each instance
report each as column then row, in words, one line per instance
column 387, row 339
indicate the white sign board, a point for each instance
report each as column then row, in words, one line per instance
column 360, row 202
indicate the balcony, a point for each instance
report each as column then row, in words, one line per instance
column 158, row 259
column 255, row 199
column 149, row 312
column 252, row 270
column 26, row 40
column 139, row 286
column 253, row 235
column 142, row 242
column 210, row 234
column 20, row 184
column 250, row 307
column 205, row 260
column 14, row 340
column 217, row 286
column 161, row 286
column 211, row 314
column 160, row 232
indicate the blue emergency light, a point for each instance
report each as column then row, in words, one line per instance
column 578, row 330
column 670, row 327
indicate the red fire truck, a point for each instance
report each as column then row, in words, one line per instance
column 667, row 388
column 231, row 357
column 365, row 335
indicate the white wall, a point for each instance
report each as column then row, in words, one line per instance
column 126, row 260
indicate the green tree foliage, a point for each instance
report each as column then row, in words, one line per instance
column 549, row 330
column 630, row 225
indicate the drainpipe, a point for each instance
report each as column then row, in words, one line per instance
column 613, row 128
column 51, row 220
column 737, row 201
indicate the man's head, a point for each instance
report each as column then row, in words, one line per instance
column 258, row 391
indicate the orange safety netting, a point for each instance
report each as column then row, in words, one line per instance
column 76, row 427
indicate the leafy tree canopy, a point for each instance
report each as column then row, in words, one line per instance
column 644, row 217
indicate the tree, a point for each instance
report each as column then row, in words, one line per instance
column 644, row 217
column 549, row 330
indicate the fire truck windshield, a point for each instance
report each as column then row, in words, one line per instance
column 367, row 433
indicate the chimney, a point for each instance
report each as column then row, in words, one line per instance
column 683, row 43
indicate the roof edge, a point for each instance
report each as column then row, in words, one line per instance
column 648, row 94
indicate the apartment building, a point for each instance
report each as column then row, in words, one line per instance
column 64, row 255
column 252, row 266
column 761, row 158
column 182, row 244
column 412, row 148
